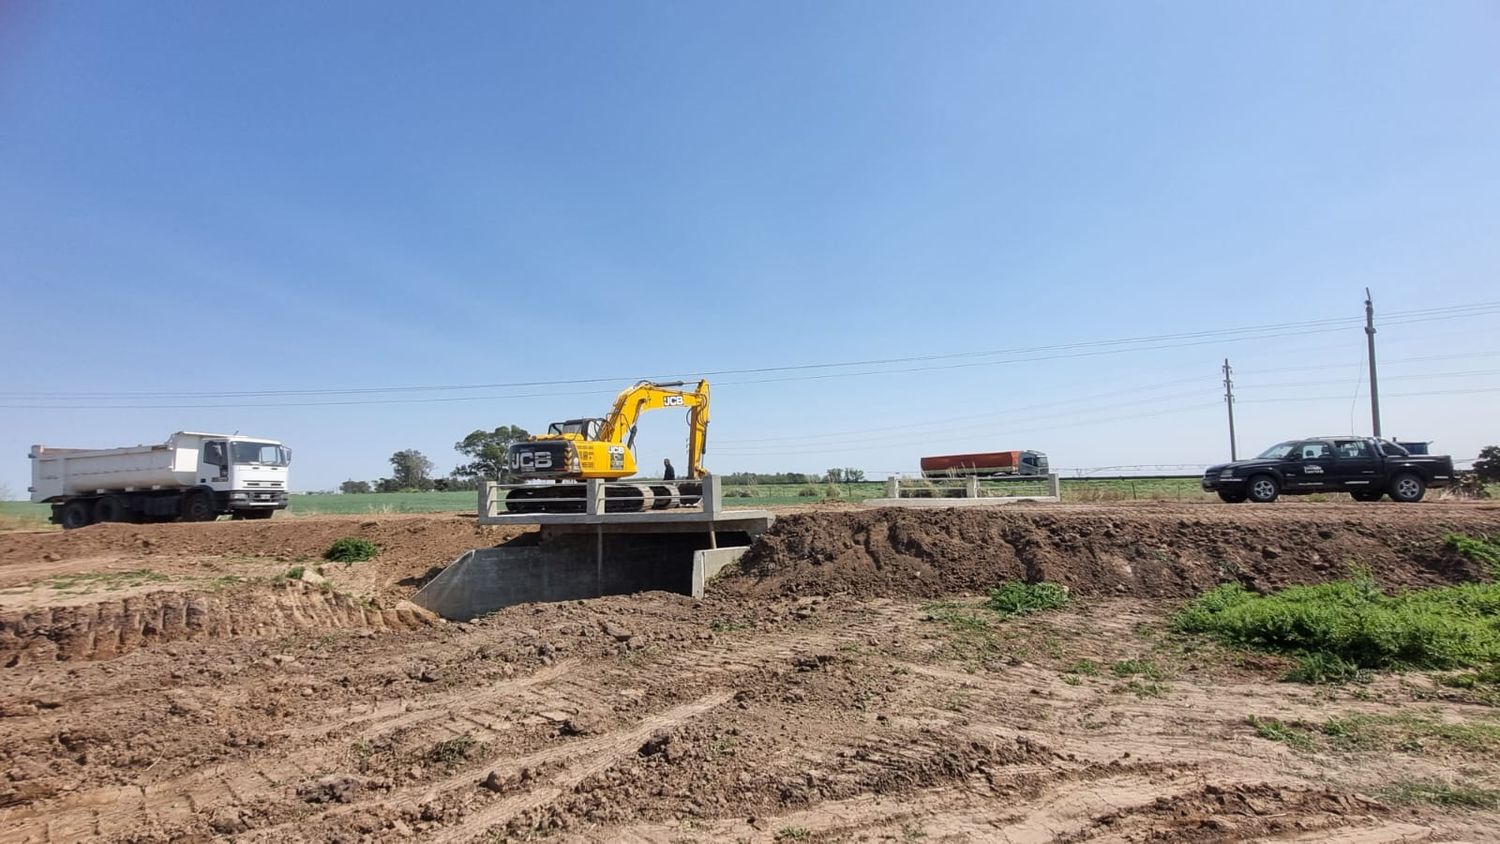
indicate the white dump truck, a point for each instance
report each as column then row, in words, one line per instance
column 193, row 476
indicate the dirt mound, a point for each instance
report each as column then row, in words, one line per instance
column 1135, row 551
column 409, row 544
column 111, row 628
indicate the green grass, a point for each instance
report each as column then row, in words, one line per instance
column 1024, row 598
column 1138, row 668
column 1481, row 549
column 1363, row 732
column 1451, row 795
column 108, row 581
column 1338, row 629
column 1274, row 729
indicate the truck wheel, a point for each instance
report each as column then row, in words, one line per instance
column 198, row 506
column 1231, row 497
column 1408, row 488
column 1262, row 489
column 75, row 514
column 1370, row 495
column 110, row 509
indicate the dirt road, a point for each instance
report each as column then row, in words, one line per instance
column 819, row 695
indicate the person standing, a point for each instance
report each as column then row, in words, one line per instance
column 667, row 472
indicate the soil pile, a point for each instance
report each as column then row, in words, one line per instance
column 1136, row 551
column 110, row 628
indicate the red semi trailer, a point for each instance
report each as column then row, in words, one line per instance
column 985, row 464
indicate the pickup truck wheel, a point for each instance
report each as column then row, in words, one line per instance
column 198, row 507
column 1262, row 489
column 76, row 514
column 1231, row 497
column 1408, row 488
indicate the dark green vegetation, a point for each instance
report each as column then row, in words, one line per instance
column 1022, row 598
column 1337, row 630
column 351, row 549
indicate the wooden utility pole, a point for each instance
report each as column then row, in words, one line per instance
column 1374, row 384
column 1229, row 402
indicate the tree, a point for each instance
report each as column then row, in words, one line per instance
column 354, row 487
column 486, row 452
column 410, row 469
column 1487, row 467
column 844, row 476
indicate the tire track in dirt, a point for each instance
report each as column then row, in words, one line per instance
column 596, row 756
column 452, row 713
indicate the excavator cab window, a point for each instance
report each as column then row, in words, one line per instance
column 586, row 428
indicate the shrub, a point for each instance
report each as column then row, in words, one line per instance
column 351, row 549
column 807, row 492
column 1336, row 629
column 1021, row 598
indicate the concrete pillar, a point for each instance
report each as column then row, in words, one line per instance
column 488, row 496
column 1054, row 486
column 971, row 486
column 594, row 500
column 893, row 487
column 713, row 495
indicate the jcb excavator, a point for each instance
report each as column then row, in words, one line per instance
column 580, row 449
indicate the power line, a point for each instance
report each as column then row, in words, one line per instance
column 1013, row 355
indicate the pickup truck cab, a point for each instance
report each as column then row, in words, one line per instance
column 1364, row 467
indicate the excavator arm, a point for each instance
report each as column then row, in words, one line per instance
column 619, row 425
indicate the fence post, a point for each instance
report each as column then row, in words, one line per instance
column 971, row 486
column 486, row 493
column 892, row 487
column 1054, row 486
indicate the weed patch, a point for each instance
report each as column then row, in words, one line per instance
column 351, row 549
column 1459, row 795
column 450, row 752
column 1022, row 598
column 1274, row 729
column 1337, row 629
column 1481, row 549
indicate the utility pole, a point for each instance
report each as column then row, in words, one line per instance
column 1229, row 402
column 1374, row 384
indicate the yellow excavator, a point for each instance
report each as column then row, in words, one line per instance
column 580, row 449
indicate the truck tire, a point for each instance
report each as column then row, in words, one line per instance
column 1367, row 495
column 111, row 508
column 198, row 506
column 1231, row 497
column 1407, row 488
column 76, row 514
column 1262, row 489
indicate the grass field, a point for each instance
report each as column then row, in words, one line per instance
column 20, row 514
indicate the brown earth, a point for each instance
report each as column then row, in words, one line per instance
column 1170, row 551
column 814, row 696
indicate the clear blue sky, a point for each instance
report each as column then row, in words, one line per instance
column 201, row 198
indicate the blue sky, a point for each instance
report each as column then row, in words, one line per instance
column 216, row 198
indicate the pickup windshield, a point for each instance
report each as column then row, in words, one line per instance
column 1278, row 451
column 259, row 454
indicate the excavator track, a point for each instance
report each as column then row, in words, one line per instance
column 618, row 498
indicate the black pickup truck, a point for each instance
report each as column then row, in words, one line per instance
column 1365, row 468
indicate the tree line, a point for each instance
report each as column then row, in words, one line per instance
column 413, row 471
